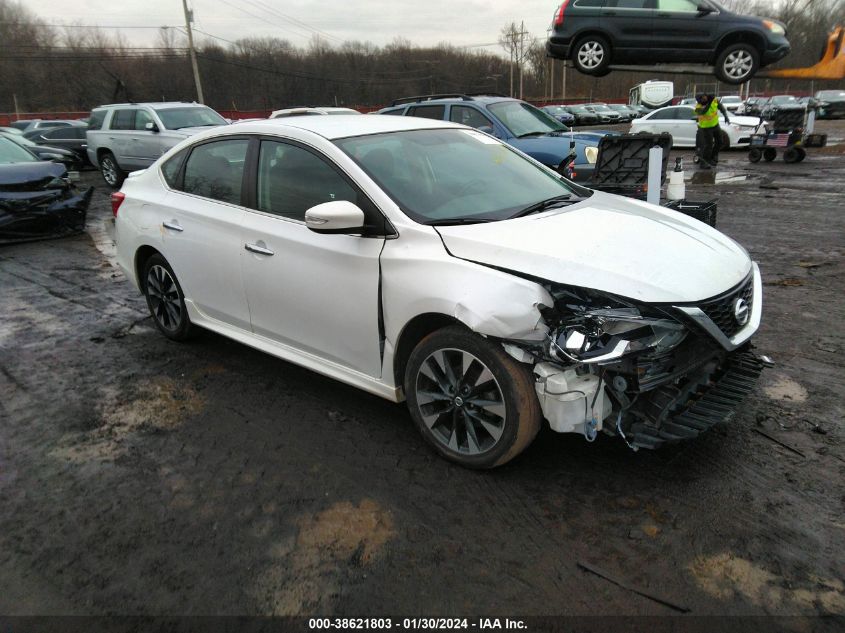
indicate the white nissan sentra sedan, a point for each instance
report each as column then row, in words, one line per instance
column 425, row 261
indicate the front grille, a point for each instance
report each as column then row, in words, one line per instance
column 721, row 310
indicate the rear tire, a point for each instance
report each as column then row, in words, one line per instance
column 591, row 56
column 737, row 63
column 802, row 153
column 165, row 299
column 471, row 401
column 769, row 154
column 792, row 155
column 755, row 154
column 112, row 173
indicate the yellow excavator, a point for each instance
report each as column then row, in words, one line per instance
column 831, row 66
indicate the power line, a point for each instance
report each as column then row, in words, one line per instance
column 84, row 26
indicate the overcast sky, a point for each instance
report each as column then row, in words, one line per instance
column 459, row 22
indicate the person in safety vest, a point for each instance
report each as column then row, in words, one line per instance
column 709, row 135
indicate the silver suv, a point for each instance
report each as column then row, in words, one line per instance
column 125, row 137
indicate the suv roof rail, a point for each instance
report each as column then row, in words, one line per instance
column 418, row 98
column 486, row 94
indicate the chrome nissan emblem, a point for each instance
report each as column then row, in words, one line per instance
column 741, row 311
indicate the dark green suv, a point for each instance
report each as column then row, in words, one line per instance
column 597, row 33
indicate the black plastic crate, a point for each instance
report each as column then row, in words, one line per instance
column 703, row 211
column 622, row 163
column 815, row 140
column 788, row 119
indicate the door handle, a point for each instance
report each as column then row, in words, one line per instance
column 173, row 226
column 258, row 248
column 608, row 12
column 664, row 15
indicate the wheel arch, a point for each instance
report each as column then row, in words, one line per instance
column 740, row 37
column 142, row 256
column 414, row 331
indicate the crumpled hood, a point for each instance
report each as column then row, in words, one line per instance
column 35, row 173
column 609, row 243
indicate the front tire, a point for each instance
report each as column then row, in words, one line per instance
column 471, row 401
column 737, row 63
column 165, row 299
column 112, row 173
column 591, row 56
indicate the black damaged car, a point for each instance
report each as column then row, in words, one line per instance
column 37, row 199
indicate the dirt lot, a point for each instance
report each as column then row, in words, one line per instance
column 139, row 476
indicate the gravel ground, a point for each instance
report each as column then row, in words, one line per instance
column 140, row 476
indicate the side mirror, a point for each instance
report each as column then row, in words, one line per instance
column 151, row 127
column 338, row 216
column 704, row 8
column 487, row 129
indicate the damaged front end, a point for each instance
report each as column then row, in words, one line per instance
column 651, row 374
column 38, row 201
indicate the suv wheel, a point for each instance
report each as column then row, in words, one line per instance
column 112, row 173
column 591, row 56
column 475, row 404
column 737, row 63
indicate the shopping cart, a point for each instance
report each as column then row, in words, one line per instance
column 791, row 131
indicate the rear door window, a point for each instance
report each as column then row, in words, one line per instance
column 428, row 112
column 685, row 6
column 216, row 170
column 123, row 120
column 630, row 4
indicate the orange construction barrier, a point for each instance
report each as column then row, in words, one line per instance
column 831, row 66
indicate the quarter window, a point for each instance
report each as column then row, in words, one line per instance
column 291, row 180
column 96, row 120
column 171, row 169
column 588, row 4
column 216, row 170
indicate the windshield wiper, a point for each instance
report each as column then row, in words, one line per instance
column 457, row 221
column 544, row 205
column 527, row 134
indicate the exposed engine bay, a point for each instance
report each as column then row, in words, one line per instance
column 648, row 373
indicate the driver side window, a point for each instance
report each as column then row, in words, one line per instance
column 469, row 116
column 291, row 180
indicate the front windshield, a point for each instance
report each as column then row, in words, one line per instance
column 452, row 175
column 12, row 153
column 783, row 99
column 195, row 116
column 523, row 119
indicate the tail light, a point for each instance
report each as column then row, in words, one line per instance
column 559, row 13
column 117, row 199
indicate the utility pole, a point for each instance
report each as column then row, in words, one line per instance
column 521, row 54
column 189, row 17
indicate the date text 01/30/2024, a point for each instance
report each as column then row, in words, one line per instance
column 416, row 623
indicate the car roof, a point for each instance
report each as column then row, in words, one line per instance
column 341, row 125
column 153, row 104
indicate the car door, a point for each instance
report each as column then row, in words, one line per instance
column 201, row 220
column 145, row 144
column 680, row 123
column 313, row 292
column 682, row 33
column 119, row 140
column 629, row 24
